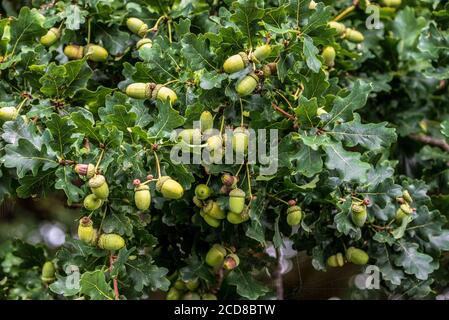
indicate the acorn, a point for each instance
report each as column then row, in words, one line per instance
column 391, row 3
column 269, row 69
column 140, row 90
column 50, row 37
column 237, row 200
column 407, row 197
column 202, row 192
column 208, row 296
column 96, row 53
column 404, row 210
column 294, row 215
column 357, row 256
column 8, row 113
column 354, row 36
column 212, row 209
column 261, row 53
column 137, row 26
column 320, row 111
column 215, row 256
column 240, row 139
column 142, row 197
column 190, row 136
column 92, row 202
column 74, row 52
column 192, row 285
column 337, row 26
column 87, row 170
column 86, row 231
column 48, row 272
column 206, row 121
column 198, row 202
column 180, row 285
column 236, row 63
column 247, row 85
column 231, row 262
column 329, row 56
column 312, row 5
column 214, row 223
column 99, row 186
column 336, row 260
column 173, row 294
column 229, row 180
column 237, row 218
column 144, row 43
column 169, row 188
column 163, row 93
column 359, row 214
column 111, row 242
column 191, row 296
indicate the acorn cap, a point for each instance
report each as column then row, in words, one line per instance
column 156, row 91
column 293, row 209
column 161, row 182
column 244, row 57
column 143, row 42
column 141, row 187
column 254, row 75
column 86, row 222
column 237, row 193
column 97, row 181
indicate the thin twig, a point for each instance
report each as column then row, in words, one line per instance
column 440, row 143
column 283, row 112
column 115, row 281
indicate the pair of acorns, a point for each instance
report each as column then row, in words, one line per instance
column 405, row 208
column 140, row 90
column 187, row 290
column 353, row 255
column 107, row 241
column 241, row 60
column 349, row 34
column 169, row 188
column 140, row 28
column 92, row 52
column 217, row 257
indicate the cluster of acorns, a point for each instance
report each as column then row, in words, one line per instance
column 218, row 257
column 353, row 255
column 188, row 290
column 405, row 208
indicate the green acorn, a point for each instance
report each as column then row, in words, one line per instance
column 96, row 53
column 92, row 202
column 206, row 121
column 8, row 113
column 142, row 197
column 240, row 140
column 87, row 170
column 359, row 214
column 391, row 3
column 137, row 26
column 163, row 93
column 190, row 136
column 180, row 285
column 407, row 197
column 212, row 209
column 111, row 242
column 192, row 285
column 236, row 63
column 312, row 5
column 208, row 296
column 50, row 37
column 247, row 85
column 215, row 256
column 403, row 211
column 169, row 188
column 357, row 256
column 320, row 111
column 261, row 53
column 99, row 186
column 214, row 143
column 48, row 272
column 354, row 36
column 202, row 191
column 237, row 218
column 237, row 200
column 329, row 56
column 336, row 260
column 231, row 262
column 173, row 294
column 86, row 231
column 140, row 90
column 198, row 202
column 191, row 296
column 337, row 26
column 214, row 223
column 74, row 52
column 144, row 43
column 294, row 215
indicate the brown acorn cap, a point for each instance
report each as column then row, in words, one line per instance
column 156, row 91
column 238, row 193
column 97, row 181
column 141, row 187
column 244, row 57
column 161, row 182
column 86, row 221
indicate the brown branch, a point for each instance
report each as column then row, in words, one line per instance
column 440, row 143
column 219, row 280
column 115, row 281
column 284, row 113
column 278, row 281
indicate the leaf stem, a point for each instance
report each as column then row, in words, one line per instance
column 241, row 113
column 19, row 107
column 169, row 31
column 222, row 124
column 158, row 165
column 249, row 181
column 278, row 199
column 344, row 13
column 88, row 29
column 99, row 160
